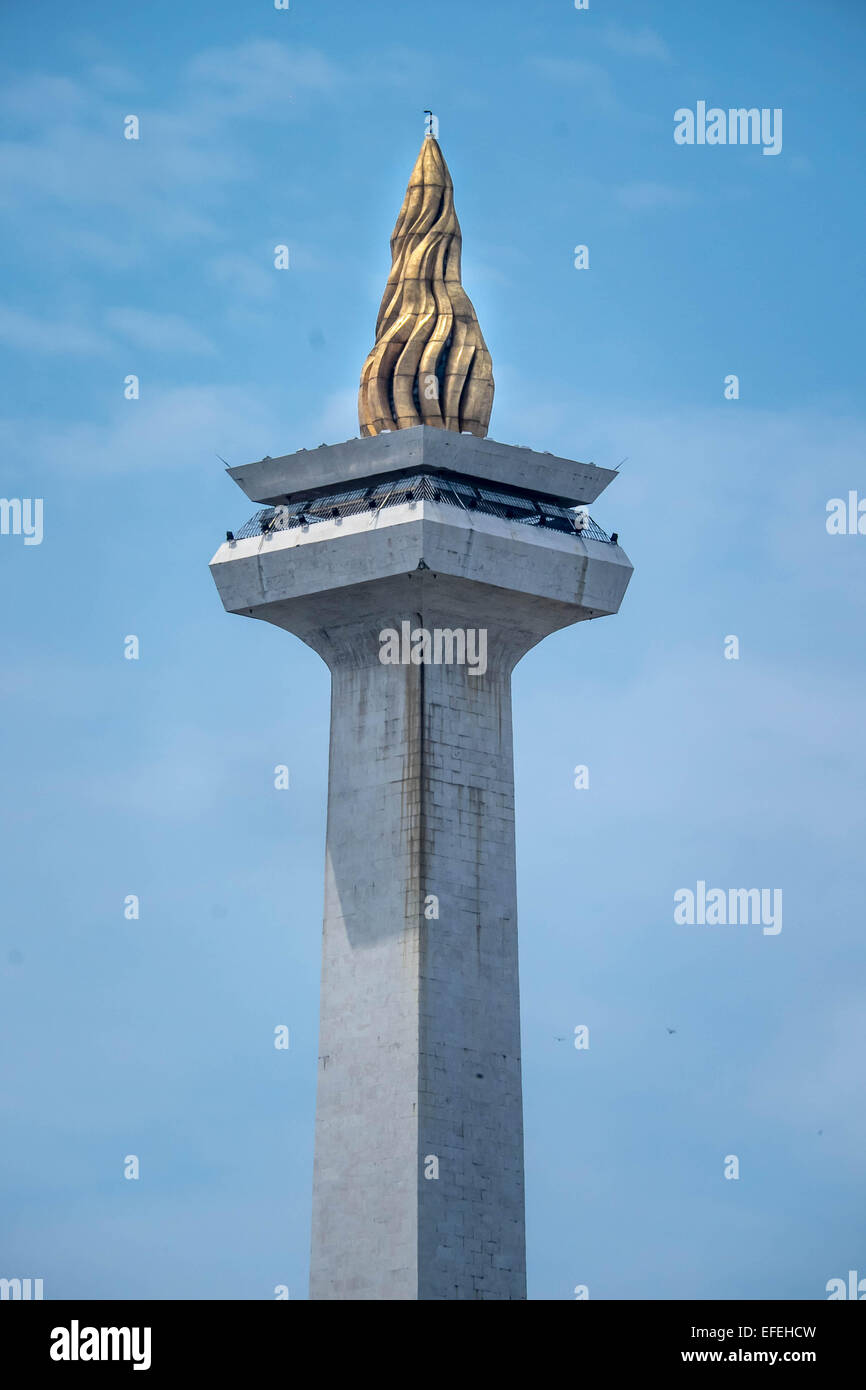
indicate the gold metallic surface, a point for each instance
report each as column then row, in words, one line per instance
column 430, row 364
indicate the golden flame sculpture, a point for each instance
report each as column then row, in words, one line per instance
column 430, row 364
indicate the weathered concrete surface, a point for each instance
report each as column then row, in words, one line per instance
column 420, row 1024
column 420, row 1030
column 304, row 473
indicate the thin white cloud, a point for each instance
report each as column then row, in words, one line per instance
column 87, row 171
column 260, row 76
column 592, row 83
column 162, row 332
column 26, row 333
column 168, row 333
column 645, row 195
column 636, row 43
column 245, row 275
column 115, row 79
column 67, row 142
column 180, row 428
column 41, row 99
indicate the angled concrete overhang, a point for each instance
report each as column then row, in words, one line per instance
column 308, row 473
column 302, row 578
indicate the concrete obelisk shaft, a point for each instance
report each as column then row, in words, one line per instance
column 418, row 1180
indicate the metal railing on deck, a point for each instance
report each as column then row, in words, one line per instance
column 521, row 507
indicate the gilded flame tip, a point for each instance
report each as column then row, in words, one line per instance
column 429, row 364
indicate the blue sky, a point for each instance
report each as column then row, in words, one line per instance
column 155, row 777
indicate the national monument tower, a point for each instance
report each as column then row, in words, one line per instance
column 401, row 557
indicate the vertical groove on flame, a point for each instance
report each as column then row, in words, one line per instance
column 430, row 364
